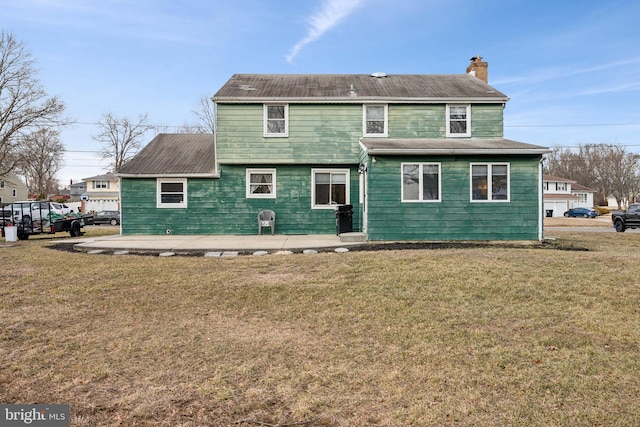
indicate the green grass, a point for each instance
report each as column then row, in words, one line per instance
column 467, row 337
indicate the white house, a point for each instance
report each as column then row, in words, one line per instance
column 12, row 189
column 103, row 193
column 561, row 194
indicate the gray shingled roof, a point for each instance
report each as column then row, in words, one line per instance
column 338, row 87
column 174, row 154
column 105, row 177
column 381, row 146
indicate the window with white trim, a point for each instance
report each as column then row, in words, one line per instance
column 458, row 121
column 561, row 186
column 100, row 184
column 421, row 182
column 171, row 193
column 375, row 120
column 261, row 183
column 490, row 182
column 276, row 120
column 329, row 187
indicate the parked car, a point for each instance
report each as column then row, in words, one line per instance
column 581, row 212
column 33, row 210
column 107, row 217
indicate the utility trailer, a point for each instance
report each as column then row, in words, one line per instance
column 32, row 218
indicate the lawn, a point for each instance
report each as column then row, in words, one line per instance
column 487, row 336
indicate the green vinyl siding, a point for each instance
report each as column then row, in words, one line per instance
column 455, row 217
column 415, row 121
column 487, row 121
column 318, row 134
column 219, row 206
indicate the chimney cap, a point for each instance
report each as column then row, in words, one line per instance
column 476, row 58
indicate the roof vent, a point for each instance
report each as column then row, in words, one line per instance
column 379, row 74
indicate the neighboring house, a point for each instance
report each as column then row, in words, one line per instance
column 12, row 189
column 76, row 190
column 562, row 194
column 419, row 157
column 102, row 193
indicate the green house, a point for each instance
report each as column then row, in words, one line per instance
column 395, row 157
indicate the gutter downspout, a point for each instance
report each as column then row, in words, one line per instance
column 215, row 136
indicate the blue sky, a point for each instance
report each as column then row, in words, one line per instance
column 570, row 67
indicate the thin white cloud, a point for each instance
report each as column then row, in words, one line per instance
column 555, row 73
column 331, row 13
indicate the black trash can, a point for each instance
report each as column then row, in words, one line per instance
column 344, row 219
column 549, row 213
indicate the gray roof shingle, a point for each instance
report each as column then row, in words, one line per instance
column 338, row 87
column 174, row 155
column 380, row 146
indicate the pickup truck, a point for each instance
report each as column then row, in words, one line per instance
column 629, row 219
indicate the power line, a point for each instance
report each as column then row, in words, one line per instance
column 572, row 125
column 160, row 126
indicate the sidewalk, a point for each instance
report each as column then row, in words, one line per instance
column 214, row 242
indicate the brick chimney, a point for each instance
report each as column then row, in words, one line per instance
column 479, row 69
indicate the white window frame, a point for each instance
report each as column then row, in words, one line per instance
column 385, row 133
column 561, row 186
column 266, row 119
column 251, row 195
column 420, row 183
column 347, row 195
column 160, row 204
column 467, row 134
column 490, row 166
column 100, row 185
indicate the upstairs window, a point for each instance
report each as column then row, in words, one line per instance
column 489, row 182
column 261, row 183
column 458, row 121
column 420, row 182
column 100, row 184
column 172, row 193
column 561, row 186
column 276, row 120
column 375, row 120
column 1, row 184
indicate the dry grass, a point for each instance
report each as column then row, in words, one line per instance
column 600, row 221
column 465, row 337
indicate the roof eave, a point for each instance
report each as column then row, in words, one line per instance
column 453, row 151
column 359, row 100
column 168, row 175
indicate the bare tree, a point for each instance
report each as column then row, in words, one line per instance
column 619, row 172
column 40, row 159
column 24, row 105
column 206, row 118
column 571, row 164
column 121, row 138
